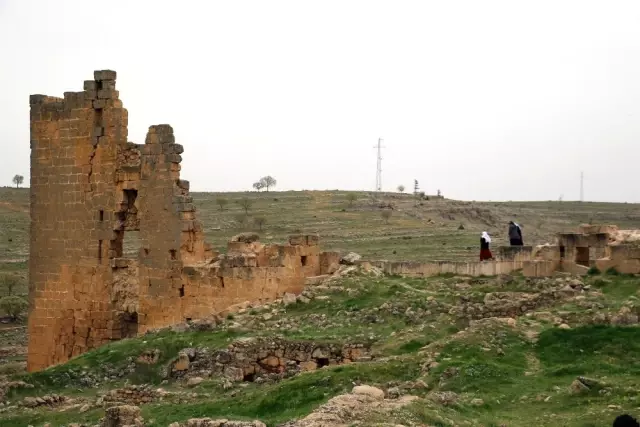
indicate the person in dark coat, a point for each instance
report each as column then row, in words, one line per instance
column 515, row 234
column 625, row 420
column 485, row 252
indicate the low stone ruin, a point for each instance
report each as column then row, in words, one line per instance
column 604, row 247
column 261, row 359
column 133, row 395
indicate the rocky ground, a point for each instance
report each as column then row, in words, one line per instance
column 362, row 349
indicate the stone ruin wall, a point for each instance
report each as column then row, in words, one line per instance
column 90, row 186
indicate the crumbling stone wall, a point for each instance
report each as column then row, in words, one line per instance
column 256, row 359
column 90, row 187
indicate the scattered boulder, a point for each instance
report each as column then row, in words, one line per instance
column 288, row 299
column 247, row 237
column 350, row 259
column 182, row 364
column 194, row 381
column 624, row 317
column 370, row 391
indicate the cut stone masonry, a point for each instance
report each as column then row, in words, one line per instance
column 90, row 186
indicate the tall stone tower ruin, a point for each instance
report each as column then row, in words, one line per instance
column 90, row 187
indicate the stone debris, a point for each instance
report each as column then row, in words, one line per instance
column 260, row 359
column 134, row 395
column 348, row 409
column 49, row 400
column 122, row 416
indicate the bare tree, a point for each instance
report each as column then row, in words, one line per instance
column 13, row 306
column 351, row 198
column 10, row 282
column 18, row 180
column 259, row 185
column 260, row 221
column 222, row 202
column 386, row 215
column 401, row 188
column 245, row 203
column 268, row 182
column 240, row 219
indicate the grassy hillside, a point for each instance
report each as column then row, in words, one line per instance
column 477, row 352
column 427, row 230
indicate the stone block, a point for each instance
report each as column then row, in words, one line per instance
column 108, row 94
column 90, row 85
column 100, row 75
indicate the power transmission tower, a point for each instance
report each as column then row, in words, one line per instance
column 582, row 186
column 379, row 168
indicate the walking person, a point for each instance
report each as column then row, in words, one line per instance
column 515, row 234
column 485, row 252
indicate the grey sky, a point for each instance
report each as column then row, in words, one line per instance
column 485, row 100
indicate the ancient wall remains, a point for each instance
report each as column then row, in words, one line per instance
column 435, row 268
column 90, row 189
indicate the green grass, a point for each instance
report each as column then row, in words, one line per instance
column 428, row 231
column 520, row 382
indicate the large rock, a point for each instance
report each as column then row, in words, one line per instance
column 194, row 381
column 182, row 364
column 245, row 237
column 350, row 259
column 368, row 390
column 289, row 299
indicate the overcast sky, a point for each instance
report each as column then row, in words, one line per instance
column 485, row 100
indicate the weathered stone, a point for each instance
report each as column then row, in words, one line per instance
column 350, row 259
column 289, row 299
column 194, row 381
column 370, row 391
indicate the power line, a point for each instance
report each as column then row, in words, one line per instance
column 379, row 166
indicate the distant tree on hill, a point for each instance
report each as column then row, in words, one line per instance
column 386, row 215
column 245, row 203
column 401, row 188
column 268, row 182
column 259, row 185
column 351, row 198
column 222, row 202
column 260, row 221
column 18, row 180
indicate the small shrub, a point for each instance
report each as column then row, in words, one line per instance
column 593, row 271
column 351, row 198
column 386, row 215
column 245, row 203
column 10, row 282
column 611, row 271
column 222, row 202
column 13, row 306
column 241, row 219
